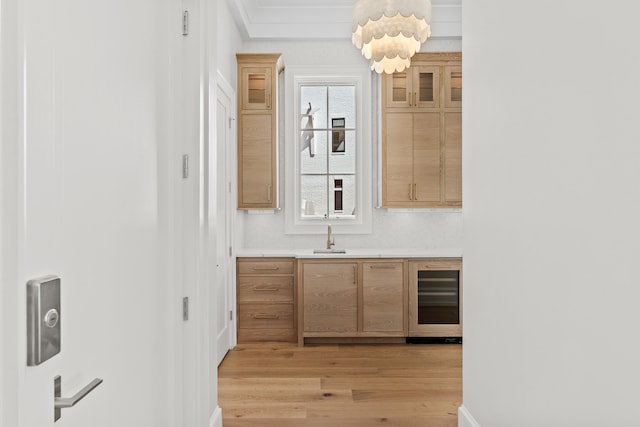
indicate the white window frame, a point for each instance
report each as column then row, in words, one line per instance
column 295, row 77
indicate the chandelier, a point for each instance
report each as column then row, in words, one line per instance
column 390, row 32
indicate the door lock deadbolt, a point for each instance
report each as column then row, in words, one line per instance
column 43, row 319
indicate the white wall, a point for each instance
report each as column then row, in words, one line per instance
column 229, row 41
column 552, row 201
column 391, row 229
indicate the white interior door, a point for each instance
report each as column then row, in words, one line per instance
column 224, row 283
column 86, row 195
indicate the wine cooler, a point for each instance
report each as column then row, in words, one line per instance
column 435, row 298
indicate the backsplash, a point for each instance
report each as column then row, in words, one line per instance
column 391, row 229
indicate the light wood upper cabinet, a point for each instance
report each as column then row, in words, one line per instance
column 256, row 149
column 422, row 133
column 453, row 86
column 257, row 89
column 258, row 130
column 415, row 87
column 453, row 157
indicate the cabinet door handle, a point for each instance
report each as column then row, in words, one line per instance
column 382, row 267
column 410, row 192
column 266, row 316
column 415, row 99
column 355, row 275
column 266, row 268
column 415, row 191
column 269, row 193
column 265, row 289
column 269, row 100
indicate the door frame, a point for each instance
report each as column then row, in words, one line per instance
column 223, row 87
column 11, row 207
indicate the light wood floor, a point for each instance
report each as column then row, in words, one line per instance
column 341, row 385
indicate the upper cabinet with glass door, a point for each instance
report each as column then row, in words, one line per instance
column 422, row 133
column 256, row 88
column 453, row 86
column 415, row 87
column 257, row 80
column 258, row 130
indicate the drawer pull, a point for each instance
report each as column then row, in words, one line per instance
column 265, row 289
column 382, row 267
column 266, row 316
column 266, row 268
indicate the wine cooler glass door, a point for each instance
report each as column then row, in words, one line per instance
column 438, row 297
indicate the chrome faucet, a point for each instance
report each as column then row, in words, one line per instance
column 329, row 242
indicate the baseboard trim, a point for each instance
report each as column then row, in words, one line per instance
column 216, row 418
column 465, row 419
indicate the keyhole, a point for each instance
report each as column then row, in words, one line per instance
column 51, row 318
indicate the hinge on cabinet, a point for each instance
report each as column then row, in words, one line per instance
column 185, row 23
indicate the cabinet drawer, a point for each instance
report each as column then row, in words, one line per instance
column 266, row 335
column 265, row 267
column 265, row 288
column 435, row 264
column 266, row 316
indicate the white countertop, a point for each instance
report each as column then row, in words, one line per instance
column 355, row 253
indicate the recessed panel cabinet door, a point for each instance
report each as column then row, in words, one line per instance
column 426, row 154
column 382, row 297
column 453, row 157
column 398, row 157
column 257, row 155
column 330, row 297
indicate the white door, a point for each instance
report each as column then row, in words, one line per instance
column 87, row 195
column 224, row 283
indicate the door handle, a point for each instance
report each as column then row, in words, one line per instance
column 68, row 402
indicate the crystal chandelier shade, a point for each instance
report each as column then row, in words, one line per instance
column 390, row 32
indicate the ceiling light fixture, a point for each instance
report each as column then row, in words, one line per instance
column 390, row 32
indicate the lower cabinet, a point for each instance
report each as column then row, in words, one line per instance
column 266, row 295
column 352, row 299
column 330, row 295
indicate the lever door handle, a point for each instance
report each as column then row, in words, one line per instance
column 68, row 402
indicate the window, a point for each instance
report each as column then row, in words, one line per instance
column 327, row 145
column 328, row 151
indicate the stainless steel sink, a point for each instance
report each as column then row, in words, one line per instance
column 329, row 251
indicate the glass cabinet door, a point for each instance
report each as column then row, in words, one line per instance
column 399, row 90
column 438, row 297
column 426, row 87
column 453, row 86
column 256, row 89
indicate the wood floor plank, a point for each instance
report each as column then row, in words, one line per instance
column 341, row 385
